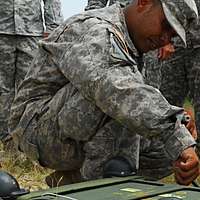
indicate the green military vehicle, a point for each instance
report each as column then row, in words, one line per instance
column 119, row 188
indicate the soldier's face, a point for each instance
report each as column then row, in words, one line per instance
column 153, row 29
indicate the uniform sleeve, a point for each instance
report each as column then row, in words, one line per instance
column 95, row 4
column 104, row 75
column 52, row 14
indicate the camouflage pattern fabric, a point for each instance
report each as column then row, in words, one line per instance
column 152, row 69
column 16, row 53
column 95, row 4
column 21, row 27
column 154, row 164
column 25, row 17
column 178, row 77
column 84, row 100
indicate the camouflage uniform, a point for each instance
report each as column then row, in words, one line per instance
column 21, row 27
column 179, row 76
column 152, row 69
column 95, row 4
column 85, row 101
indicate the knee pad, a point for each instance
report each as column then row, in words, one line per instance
column 119, row 167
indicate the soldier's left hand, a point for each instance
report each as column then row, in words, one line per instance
column 165, row 52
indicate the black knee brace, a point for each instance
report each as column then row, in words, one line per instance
column 119, row 167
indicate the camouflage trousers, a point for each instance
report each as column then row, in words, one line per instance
column 16, row 53
column 178, row 78
column 45, row 141
column 96, row 4
column 153, row 163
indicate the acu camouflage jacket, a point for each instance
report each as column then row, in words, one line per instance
column 88, row 66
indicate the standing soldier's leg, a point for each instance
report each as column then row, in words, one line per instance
column 174, row 82
column 7, row 74
column 96, row 4
column 26, row 51
column 194, row 83
column 152, row 69
column 26, row 48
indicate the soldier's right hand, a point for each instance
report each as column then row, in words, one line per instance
column 186, row 168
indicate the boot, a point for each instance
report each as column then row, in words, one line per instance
column 59, row 178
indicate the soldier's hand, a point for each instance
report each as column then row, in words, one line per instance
column 186, row 168
column 191, row 125
column 165, row 52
